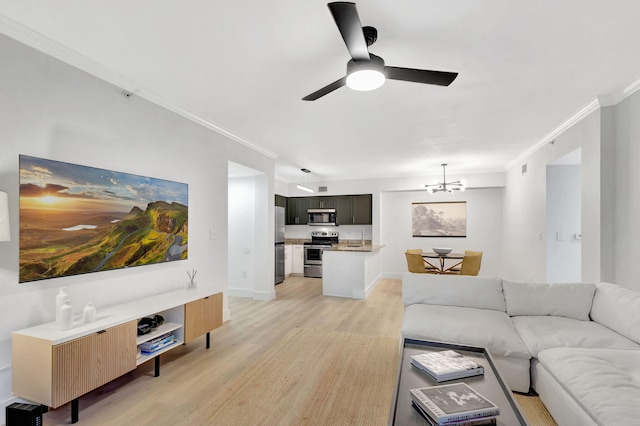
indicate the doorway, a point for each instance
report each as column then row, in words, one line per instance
column 248, row 216
column 564, row 234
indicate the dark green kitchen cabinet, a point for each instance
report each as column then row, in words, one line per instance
column 321, row 202
column 297, row 210
column 354, row 210
column 361, row 209
column 350, row 209
column 280, row 201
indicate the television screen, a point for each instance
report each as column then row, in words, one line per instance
column 77, row 219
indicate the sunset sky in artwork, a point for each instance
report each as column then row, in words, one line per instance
column 53, row 185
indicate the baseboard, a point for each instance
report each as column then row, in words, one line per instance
column 392, row 275
column 258, row 295
column 367, row 292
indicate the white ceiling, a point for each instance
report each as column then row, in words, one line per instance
column 525, row 67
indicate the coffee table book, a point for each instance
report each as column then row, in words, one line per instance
column 446, row 365
column 454, row 402
column 482, row 421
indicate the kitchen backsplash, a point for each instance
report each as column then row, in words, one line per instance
column 347, row 232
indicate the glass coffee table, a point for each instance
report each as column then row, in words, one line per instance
column 491, row 385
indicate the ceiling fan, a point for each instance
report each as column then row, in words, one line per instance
column 366, row 71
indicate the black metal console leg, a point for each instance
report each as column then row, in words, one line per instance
column 156, row 361
column 208, row 340
column 74, row 410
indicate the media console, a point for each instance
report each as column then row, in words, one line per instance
column 52, row 367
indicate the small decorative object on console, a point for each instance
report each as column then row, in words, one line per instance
column 192, row 277
column 446, row 365
column 456, row 402
column 148, row 324
column 89, row 313
column 66, row 316
column 62, row 297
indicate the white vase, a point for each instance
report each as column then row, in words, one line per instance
column 66, row 316
column 89, row 313
column 62, row 297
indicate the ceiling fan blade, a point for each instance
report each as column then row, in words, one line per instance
column 441, row 78
column 346, row 16
column 326, row 90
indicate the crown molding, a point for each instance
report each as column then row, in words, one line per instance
column 45, row 45
column 618, row 96
column 577, row 117
column 611, row 99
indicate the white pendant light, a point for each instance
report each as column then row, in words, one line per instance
column 302, row 186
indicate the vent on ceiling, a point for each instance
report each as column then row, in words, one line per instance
column 322, row 189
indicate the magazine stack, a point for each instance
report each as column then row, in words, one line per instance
column 154, row 345
column 446, row 365
column 454, row 404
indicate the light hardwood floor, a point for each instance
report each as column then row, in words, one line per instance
column 191, row 374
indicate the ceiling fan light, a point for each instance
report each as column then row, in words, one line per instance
column 365, row 79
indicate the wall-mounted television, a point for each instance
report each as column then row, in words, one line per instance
column 77, row 219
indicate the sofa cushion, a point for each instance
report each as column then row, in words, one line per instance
column 605, row 382
column 617, row 308
column 452, row 290
column 545, row 332
column 468, row 326
column 571, row 300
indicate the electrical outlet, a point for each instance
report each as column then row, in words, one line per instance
column 212, row 234
column 244, row 274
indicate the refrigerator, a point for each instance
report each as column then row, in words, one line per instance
column 279, row 245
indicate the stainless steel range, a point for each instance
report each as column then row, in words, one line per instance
column 320, row 240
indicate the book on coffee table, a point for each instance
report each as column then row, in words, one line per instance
column 453, row 403
column 446, row 365
column 480, row 421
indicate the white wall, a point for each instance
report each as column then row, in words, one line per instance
column 484, row 228
column 627, row 190
column 524, row 237
column 242, row 217
column 564, row 223
column 51, row 110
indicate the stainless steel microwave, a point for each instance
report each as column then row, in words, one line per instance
column 326, row 217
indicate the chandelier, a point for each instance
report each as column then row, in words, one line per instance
column 445, row 186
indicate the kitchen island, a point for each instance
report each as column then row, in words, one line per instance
column 351, row 270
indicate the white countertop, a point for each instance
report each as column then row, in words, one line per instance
column 114, row 315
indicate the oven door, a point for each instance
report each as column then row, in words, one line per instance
column 313, row 255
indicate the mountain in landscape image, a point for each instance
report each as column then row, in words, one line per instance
column 56, row 243
column 77, row 219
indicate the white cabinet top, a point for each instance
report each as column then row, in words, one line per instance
column 114, row 315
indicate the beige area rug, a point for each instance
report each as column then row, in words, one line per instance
column 534, row 410
column 310, row 377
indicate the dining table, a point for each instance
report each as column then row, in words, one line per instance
column 441, row 266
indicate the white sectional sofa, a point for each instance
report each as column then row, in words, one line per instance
column 576, row 344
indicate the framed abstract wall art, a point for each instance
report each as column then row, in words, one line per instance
column 447, row 219
column 77, row 219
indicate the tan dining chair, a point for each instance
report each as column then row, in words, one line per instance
column 470, row 264
column 416, row 263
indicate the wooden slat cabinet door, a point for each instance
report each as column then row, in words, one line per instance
column 83, row 364
column 201, row 316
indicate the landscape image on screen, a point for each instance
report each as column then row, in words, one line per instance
column 77, row 219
